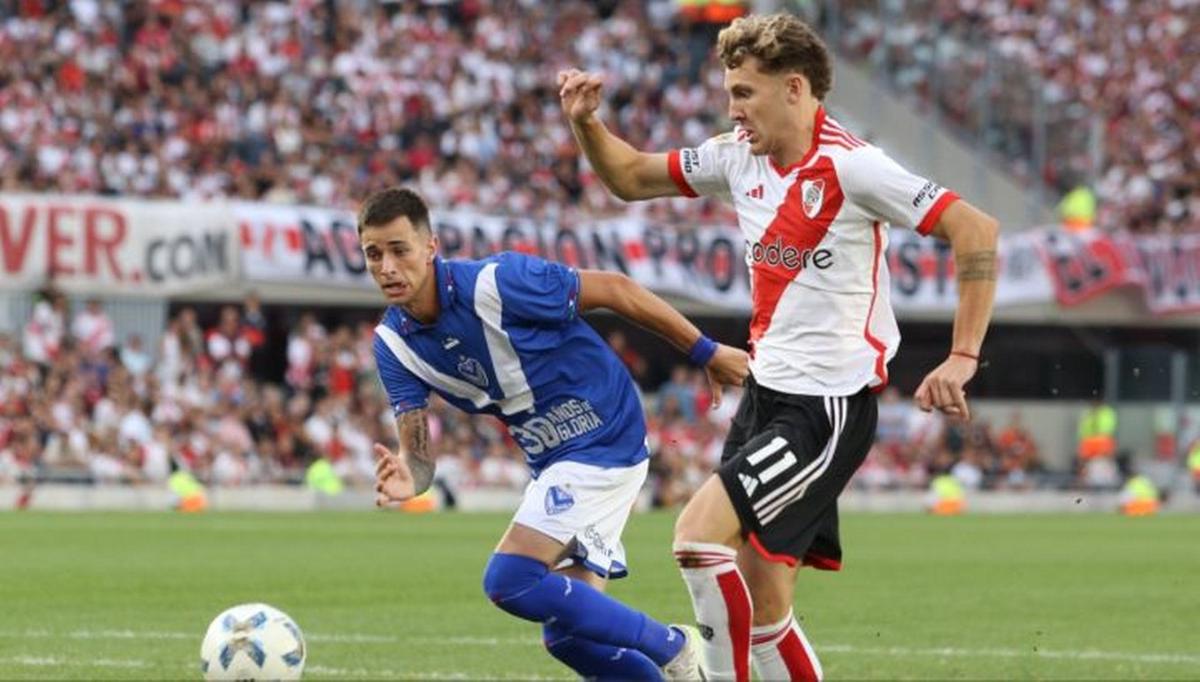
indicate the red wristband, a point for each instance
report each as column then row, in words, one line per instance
column 965, row 354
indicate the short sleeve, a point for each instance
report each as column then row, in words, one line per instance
column 537, row 290
column 405, row 391
column 891, row 193
column 703, row 170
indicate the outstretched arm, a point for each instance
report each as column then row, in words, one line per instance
column 409, row 472
column 628, row 173
column 973, row 235
column 723, row 364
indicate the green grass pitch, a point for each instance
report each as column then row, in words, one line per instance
column 386, row 595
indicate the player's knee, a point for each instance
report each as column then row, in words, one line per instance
column 769, row 607
column 690, row 525
column 709, row 517
column 510, row 579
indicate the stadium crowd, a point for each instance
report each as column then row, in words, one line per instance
column 76, row 404
column 319, row 103
column 1129, row 68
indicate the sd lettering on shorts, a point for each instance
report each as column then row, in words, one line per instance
column 563, row 422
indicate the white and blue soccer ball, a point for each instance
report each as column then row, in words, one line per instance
column 252, row 642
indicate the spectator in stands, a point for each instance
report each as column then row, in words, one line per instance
column 302, row 352
column 43, row 336
column 93, row 328
column 227, row 344
column 1122, row 68
column 134, row 357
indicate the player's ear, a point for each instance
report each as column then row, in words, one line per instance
column 433, row 247
column 797, row 86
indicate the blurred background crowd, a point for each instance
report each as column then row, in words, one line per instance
column 79, row 404
column 320, row 102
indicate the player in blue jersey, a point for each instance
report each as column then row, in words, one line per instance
column 503, row 336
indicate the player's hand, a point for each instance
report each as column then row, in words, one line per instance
column 729, row 366
column 580, row 94
column 942, row 388
column 393, row 479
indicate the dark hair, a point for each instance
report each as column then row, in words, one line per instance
column 780, row 42
column 388, row 204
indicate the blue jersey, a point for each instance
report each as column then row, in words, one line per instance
column 509, row 342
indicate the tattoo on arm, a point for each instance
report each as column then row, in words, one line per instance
column 976, row 266
column 414, row 441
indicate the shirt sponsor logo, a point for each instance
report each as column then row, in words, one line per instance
column 778, row 253
column 565, row 421
column 812, row 195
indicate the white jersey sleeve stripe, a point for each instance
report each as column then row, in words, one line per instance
column 505, row 361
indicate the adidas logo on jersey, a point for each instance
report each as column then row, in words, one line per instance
column 756, row 192
column 749, row 483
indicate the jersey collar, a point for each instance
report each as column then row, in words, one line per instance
column 407, row 324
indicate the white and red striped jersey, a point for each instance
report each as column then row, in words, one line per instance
column 816, row 236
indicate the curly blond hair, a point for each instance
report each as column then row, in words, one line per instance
column 780, row 42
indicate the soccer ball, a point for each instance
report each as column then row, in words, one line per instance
column 252, row 642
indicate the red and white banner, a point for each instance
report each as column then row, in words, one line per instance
column 163, row 248
column 106, row 246
column 1170, row 272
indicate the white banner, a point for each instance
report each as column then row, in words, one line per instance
column 300, row 244
column 106, row 246
column 287, row 244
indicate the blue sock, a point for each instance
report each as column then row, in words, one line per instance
column 596, row 661
column 526, row 588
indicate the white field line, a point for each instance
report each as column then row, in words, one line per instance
column 46, row 661
column 1168, row 658
column 411, row 675
column 954, row 652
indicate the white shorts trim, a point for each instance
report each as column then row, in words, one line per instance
column 588, row 504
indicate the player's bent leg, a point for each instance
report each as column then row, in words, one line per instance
column 707, row 535
column 592, row 659
column 519, row 581
column 779, row 649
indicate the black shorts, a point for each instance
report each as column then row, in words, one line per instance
column 786, row 460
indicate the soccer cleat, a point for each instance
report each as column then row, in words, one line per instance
column 687, row 664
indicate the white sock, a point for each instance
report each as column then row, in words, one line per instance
column 722, row 605
column 782, row 652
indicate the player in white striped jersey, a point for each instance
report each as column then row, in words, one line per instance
column 813, row 201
